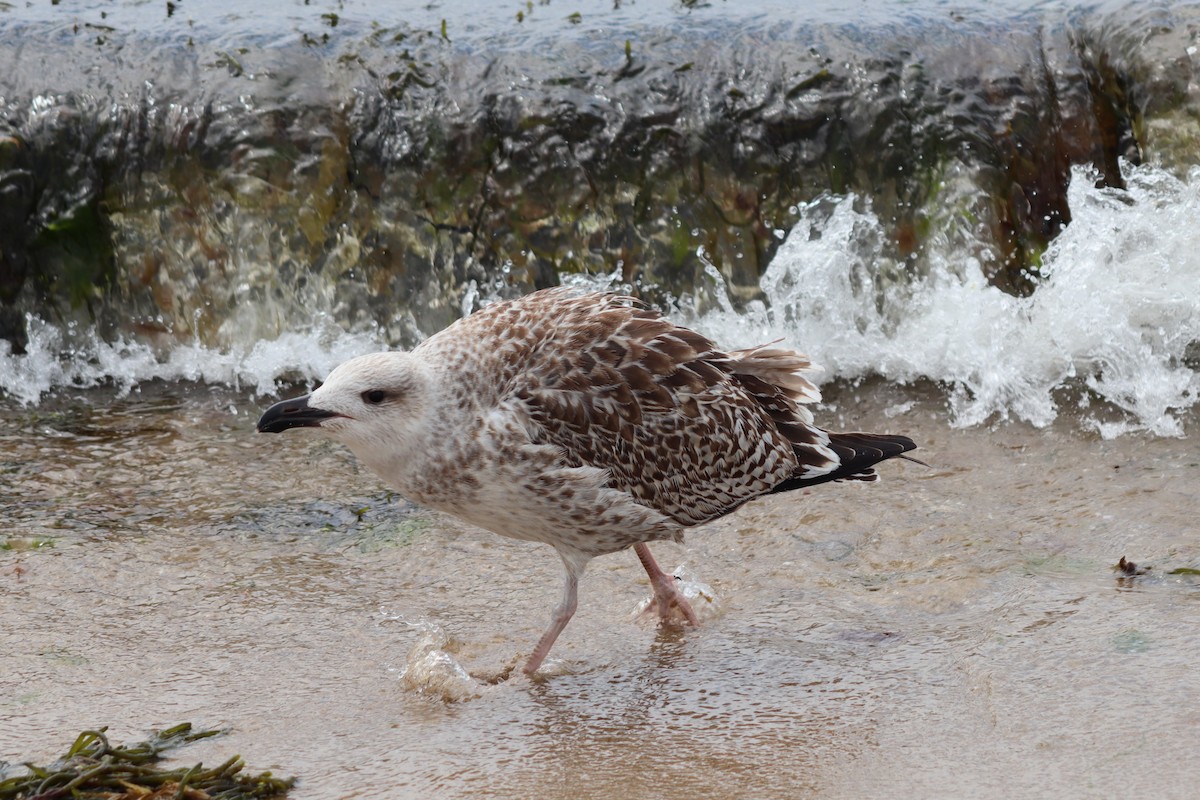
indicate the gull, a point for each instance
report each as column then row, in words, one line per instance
column 587, row 422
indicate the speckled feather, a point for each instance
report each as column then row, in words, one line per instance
column 595, row 381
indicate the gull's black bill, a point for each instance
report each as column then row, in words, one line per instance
column 294, row 413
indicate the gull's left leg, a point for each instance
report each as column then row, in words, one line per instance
column 666, row 590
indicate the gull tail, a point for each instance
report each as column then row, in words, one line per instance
column 857, row 453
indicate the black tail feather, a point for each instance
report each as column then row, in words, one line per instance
column 858, row 453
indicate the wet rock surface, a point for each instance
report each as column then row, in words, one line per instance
column 165, row 178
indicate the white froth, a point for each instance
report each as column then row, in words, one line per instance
column 57, row 358
column 1117, row 309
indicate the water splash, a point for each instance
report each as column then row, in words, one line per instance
column 1111, row 334
column 1116, row 316
column 69, row 357
column 703, row 599
column 431, row 670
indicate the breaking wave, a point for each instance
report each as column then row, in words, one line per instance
column 1110, row 335
column 1114, row 324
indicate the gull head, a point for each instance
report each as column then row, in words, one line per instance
column 374, row 404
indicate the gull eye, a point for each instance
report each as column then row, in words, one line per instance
column 374, row 397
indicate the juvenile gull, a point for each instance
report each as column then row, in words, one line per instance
column 585, row 422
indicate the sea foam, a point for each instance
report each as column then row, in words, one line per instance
column 1116, row 314
column 56, row 358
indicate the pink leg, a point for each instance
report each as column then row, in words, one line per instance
column 666, row 593
column 562, row 614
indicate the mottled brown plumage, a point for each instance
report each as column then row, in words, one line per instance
column 586, row 422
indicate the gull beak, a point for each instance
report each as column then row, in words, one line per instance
column 294, row 413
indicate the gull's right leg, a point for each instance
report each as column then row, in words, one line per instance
column 562, row 615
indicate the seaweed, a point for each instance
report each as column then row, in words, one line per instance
column 95, row 770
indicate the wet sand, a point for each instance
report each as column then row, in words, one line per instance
column 948, row 632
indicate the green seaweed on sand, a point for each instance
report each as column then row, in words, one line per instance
column 92, row 768
column 25, row 543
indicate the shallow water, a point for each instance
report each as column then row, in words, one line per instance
column 947, row 632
